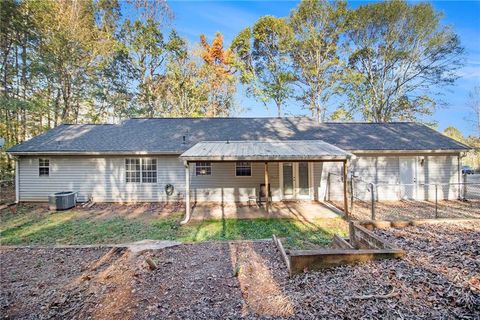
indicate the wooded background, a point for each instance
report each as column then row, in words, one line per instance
column 88, row 61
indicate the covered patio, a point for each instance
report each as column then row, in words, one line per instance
column 294, row 157
column 301, row 210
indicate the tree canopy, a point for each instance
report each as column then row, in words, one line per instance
column 399, row 58
column 266, row 66
column 91, row 61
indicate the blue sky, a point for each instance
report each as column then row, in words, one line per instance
column 193, row 18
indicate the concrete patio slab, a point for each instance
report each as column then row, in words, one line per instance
column 304, row 210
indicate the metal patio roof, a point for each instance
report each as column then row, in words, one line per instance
column 291, row 150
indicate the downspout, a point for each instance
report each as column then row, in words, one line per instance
column 187, row 193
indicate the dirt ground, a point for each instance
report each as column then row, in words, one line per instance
column 438, row 279
column 408, row 209
column 143, row 210
column 304, row 210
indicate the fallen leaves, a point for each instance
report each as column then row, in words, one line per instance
column 438, row 278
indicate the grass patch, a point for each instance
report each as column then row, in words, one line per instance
column 30, row 227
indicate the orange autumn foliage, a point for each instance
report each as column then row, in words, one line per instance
column 219, row 71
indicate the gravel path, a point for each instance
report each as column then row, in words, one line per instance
column 438, row 279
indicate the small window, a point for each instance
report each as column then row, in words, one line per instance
column 243, row 169
column 43, row 167
column 132, row 170
column 149, row 170
column 203, row 169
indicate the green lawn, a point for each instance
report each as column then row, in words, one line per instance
column 29, row 227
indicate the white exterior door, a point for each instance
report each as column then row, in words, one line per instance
column 288, row 188
column 408, row 177
column 295, row 180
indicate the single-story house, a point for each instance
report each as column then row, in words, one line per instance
column 228, row 159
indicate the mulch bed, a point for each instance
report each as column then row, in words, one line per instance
column 438, row 278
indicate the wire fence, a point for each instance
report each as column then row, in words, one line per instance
column 388, row 201
column 7, row 191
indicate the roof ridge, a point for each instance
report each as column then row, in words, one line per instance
column 280, row 118
column 260, row 141
column 161, row 118
column 87, row 124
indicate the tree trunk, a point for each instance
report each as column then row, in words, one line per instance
column 57, row 107
column 24, row 86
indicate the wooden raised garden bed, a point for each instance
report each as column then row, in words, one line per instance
column 362, row 246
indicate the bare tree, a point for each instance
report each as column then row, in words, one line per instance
column 474, row 105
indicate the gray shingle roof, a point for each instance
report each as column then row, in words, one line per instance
column 264, row 150
column 164, row 135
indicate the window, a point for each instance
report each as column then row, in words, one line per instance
column 149, row 170
column 43, row 167
column 243, row 169
column 203, row 169
column 132, row 170
column 141, row 170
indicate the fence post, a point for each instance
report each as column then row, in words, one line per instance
column 372, row 191
column 436, row 201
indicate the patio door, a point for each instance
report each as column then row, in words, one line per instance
column 295, row 180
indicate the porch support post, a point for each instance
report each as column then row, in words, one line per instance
column 267, row 195
column 187, row 193
column 345, row 198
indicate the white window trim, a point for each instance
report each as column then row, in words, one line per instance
column 141, row 171
column 251, row 170
column 49, row 168
column 203, row 175
column 155, row 171
column 311, row 177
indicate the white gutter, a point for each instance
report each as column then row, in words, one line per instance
column 91, row 153
column 408, row 151
column 265, row 158
column 99, row 153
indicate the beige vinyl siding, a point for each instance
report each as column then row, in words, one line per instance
column 99, row 178
column 223, row 185
column 103, row 179
column 441, row 170
column 384, row 171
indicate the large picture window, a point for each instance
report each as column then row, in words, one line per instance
column 142, row 170
column 43, row 167
column 243, row 169
column 203, row 169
